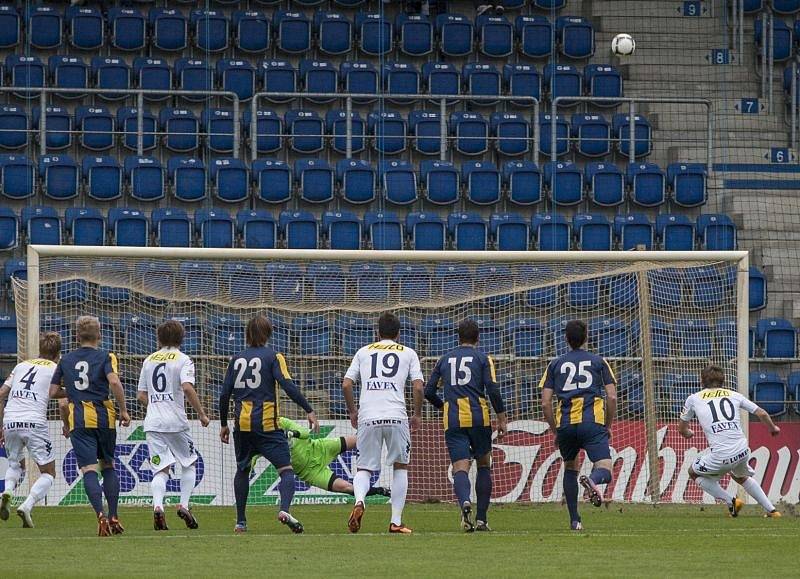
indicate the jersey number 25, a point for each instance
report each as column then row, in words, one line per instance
column 582, row 371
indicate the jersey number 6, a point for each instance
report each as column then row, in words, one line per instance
column 583, row 372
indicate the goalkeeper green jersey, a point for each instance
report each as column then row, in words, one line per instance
column 311, row 457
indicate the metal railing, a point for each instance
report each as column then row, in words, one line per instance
column 766, row 64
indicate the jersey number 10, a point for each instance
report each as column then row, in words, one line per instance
column 726, row 408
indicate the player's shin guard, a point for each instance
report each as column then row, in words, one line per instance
column 93, row 491
column 461, row 486
column 571, row 493
column 483, row 490
column 241, row 487
column 600, row 476
column 361, row 485
column 399, row 490
column 111, row 490
column 711, row 486
column 13, row 474
column 159, row 487
column 187, row 484
column 38, row 491
column 286, row 489
column 753, row 489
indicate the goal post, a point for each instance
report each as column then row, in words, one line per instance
column 658, row 317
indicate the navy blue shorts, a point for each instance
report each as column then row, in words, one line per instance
column 591, row 437
column 466, row 443
column 93, row 444
column 271, row 445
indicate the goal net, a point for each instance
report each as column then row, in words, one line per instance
column 657, row 317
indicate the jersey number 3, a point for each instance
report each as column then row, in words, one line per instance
column 82, row 368
column 582, row 371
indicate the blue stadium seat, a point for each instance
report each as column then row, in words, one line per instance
column 550, row 4
column 534, row 34
column 139, row 331
column 312, row 332
column 60, row 175
column 257, row 228
column 42, row 225
column 145, row 177
column 268, row 131
column 25, row 72
column 251, row 31
column 758, row 289
column 593, row 232
column 96, row 126
column 441, row 182
column 361, row 78
column 706, row 287
column 273, row 180
column 127, row 123
column 8, row 333
column 565, row 182
column 688, row 183
column 413, row 282
column 187, row 176
column 468, row 230
column 172, row 227
column 74, row 292
column 415, row 33
column 18, row 175
column 336, row 126
column 783, row 39
column 401, row 78
column 471, row 132
column 384, row 230
column 439, row 333
column 785, row 6
column 768, row 390
column 44, row 26
column 128, row 28
column 427, row 231
column 68, row 72
column 356, row 180
column 10, row 27
column 14, row 124
column 522, row 80
column 180, row 127
column 306, row 131
column 278, row 76
column 666, row 288
column 583, row 294
column 523, row 182
column 425, row 128
column 563, row 80
column 527, row 336
column 511, row 133
column 546, row 135
column 293, row 31
column 343, row 229
column 591, row 134
column 319, row 76
column 153, row 74
column 193, row 74
column 552, row 232
column 371, row 281
column 199, row 278
column 15, row 268
column 111, row 73
column 609, row 336
column 606, row 184
column 674, row 389
column 398, row 181
column 375, row 33
column 59, row 126
column 300, row 229
column 215, row 227
column 218, row 125
column 211, row 29
column 647, row 184
column 725, row 332
column 103, row 177
column 455, row 34
column 777, row 337
column 675, row 231
column 55, row 323
column 602, row 81
column 575, row 36
column 9, row 229
column 453, row 280
column 623, row 291
column 633, row 230
column 510, row 231
column 491, row 334
column 315, row 179
column 389, row 131
column 694, row 338
column 170, row 29
column 355, row 332
column 495, row 35
column 481, row 80
column 334, row 32
column 230, row 179
column 237, row 76
column 86, row 27
column 482, row 181
column 716, row 232
column 442, row 78
column 620, row 128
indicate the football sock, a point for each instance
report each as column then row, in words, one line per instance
column 361, row 485
column 483, row 488
column 241, row 487
column 159, row 487
column 13, row 472
column 38, row 490
column 93, row 490
column 753, row 489
column 187, row 484
column 111, row 490
column 600, row 476
column 461, row 486
column 571, row 493
column 711, row 486
column 399, row 490
column 286, row 489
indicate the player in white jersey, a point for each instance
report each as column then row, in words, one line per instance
column 382, row 369
column 717, row 410
column 23, row 424
column 167, row 376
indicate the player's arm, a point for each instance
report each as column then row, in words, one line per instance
column 281, row 372
column 224, row 404
column 187, row 385
column 293, row 429
column 687, row 414
column 56, row 390
column 418, row 391
column 492, row 389
column 141, row 389
column 115, row 385
column 610, row 382
column 63, row 412
column 4, row 390
column 432, row 387
column 547, row 386
column 761, row 414
column 349, row 381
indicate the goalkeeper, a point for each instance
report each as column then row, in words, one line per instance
column 311, row 458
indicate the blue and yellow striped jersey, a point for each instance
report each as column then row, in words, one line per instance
column 579, row 379
column 84, row 374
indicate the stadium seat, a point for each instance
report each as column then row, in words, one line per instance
column 18, row 175
column 361, row 78
column 511, row 133
column 230, row 179
column 251, row 31
column 591, row 134
column 522, row 80
column 777, row 337
column 145, row 177
column 170, row 29
column 42, row 225
column 758, row 289
column 180, row 127
column 439, row 333
column 687, row 182
column 716, row 232
column 15, row 268
column 334, row 32
column 609, row 337
column 278, row 76
column 442, row 78
column 523, row 182
column 398, row 181
column 481, row 80
column 103, row 177
column 336, row 127
column 244, row 286
column 563, row 80
column 343, row 229
column 268, row 131
column 196, row 75
column 8, row 333
column 139, row 331
column 312, row 332
column 111, row 73
column 552, row 232
column 371, row 281
column 10, row 28
column 471, row 132
column 68, row 72
column 355, row 332
column 441, row 182
column 218, row 126
column 44, row 27
column 273, row 180
column 128, row 28
column 384, row 230
column 287, row 287
column 401, row 78
column 153, row 74
column 413, row 282
column 495, row 35
column 768, row 390
column 305, row 130
column 482, row 181
column 237, row 76
column 300, row 229
column 491, row 334
column 534, row 34
column 647, row 184
column 565, row 182
column 427, row 231
column 315, row 179
column 375, row 33
column 603, row 81
column 9, row 229
column 633, row 230
column 575, row 36
column 172, row 227
column 389, row 131
column 293, row 31
column 623, row 291
column 356, row 181
column 61, row 177
column 555, row 335
column 199, row 279
column 319, row 76
column 96, row 127
column 510, row 231
column 676, row 232
column 415, row 34
column 25, row 72
column 58, row 132
column 706, row 287
column 210, row 30
column 215, row 227
column 620, row 127
column 455, row 34
column 257, row 228
column 14, row 124
column 694, row 338
column 56, row 323
column 546, row 135
column 527, row 336
column 666, row 287
column 592, row 232
column 86, row 27
column 725, row 332
column 606, row 184
column 468, row 230
column 584, row 294
column 782, row 39
column 785, row 6
column 425, row 128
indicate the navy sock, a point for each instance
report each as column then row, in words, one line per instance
column 571, row 493
column 111, row 490
column 93, row 491
column 286, row 489
column 483, row 488
column 461, row 486
column 600, row 476
column 241, row 488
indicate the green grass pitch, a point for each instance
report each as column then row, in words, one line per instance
column 619, row 541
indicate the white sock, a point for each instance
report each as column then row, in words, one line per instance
column 711, row 486
column 38, row 491
column 13, row 474
column 753, row 489
column 187, row 484
column 361, row 485
column 399, row 490
column 159, row 487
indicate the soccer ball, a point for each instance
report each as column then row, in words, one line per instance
column 623, row 45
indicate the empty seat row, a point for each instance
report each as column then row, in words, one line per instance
column 778, row 6
column 775, row 394
column 784, row 38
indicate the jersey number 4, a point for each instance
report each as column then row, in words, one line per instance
column 241, row 366
column 582, row 371
column 29, row 378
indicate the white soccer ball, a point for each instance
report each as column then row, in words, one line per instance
column 623, row 45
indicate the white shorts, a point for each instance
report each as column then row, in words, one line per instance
column 34, row 437
column 374, row 434
column 167, row 448
column 714, row 465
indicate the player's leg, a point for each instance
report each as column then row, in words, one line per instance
column 332, row 449
column 107, row 446
column 186, row 456
column 85, row 444
column 458, row 447
column 743, row 474
column 15, row 448
column 481, row 441
column 705, row 471
column 41, row 451
column 370, row 445
column 274, row 447
column 398, row 450
column 241, row 480
column 568, row 447
column 161, row 458
column 594, row 439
